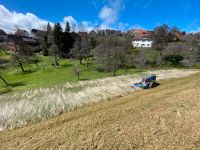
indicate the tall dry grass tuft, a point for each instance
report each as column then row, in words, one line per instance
column 20, row 109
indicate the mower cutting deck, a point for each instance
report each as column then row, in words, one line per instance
column 147, row 82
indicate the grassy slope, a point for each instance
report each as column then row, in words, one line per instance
column 50, row 76
column 166, row 117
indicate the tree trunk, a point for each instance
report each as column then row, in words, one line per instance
column 21, row 66
column 126, row 68
column 161, row 59
column 56, row 61
column 6, row 83
column 36, row 64
column 87, row 62
column 81, row 61
column 114, row 73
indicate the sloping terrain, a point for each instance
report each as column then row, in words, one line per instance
column 166, row 117
column 20, row 109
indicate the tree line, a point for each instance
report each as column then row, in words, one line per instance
column 110, row 53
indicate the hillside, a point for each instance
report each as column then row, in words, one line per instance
column 166, row 117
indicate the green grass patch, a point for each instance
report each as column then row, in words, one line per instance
column 47, row 75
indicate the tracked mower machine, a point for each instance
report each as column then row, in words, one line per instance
column 147, row 82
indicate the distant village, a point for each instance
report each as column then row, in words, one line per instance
column 140, row 37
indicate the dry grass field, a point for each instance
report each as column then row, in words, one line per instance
column 19, row 109
column 166, row 117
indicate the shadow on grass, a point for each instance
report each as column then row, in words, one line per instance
column 5, row 91
column 9, row 88
column 28, row 71
column 17, row 84
column 84, row 79
column 67, row 65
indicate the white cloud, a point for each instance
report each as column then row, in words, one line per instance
column 110, row 12
column 84, row 26
column 12, row 20
column 9, row 21
column 108, row 15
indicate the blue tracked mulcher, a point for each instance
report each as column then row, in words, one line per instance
column 147, row 82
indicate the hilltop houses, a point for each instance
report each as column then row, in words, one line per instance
column 109, row 32
column 141, row 38
column 144, row 42
column 12, row 41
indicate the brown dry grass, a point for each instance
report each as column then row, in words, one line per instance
column 166, row 117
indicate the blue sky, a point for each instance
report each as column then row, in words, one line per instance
column 84, row 14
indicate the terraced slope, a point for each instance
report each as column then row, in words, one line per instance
column 166, row 117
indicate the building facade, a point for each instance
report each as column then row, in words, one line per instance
column 3, row 38
column 141, row 38
column 144, row 42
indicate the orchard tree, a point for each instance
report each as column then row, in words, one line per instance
column 23, row 55
column 109, row 55
column 192, row 46
column 77, row 72
column 54, row 51
column 174, row 34
column 82, row 47
column 161, row 39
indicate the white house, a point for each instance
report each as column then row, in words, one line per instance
column 144, row 42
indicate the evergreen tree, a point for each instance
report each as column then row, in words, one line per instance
column 48, row 27
column 67, row 41
column 67, row 27
column 47, row 40
column 57, row 33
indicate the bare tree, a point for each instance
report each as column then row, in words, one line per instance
column 192, row 48
column 54, row 52
column 161, row 39
column 142, row 60
column 23, row 55
column 82, row 47
column 110, row 54
column 77, row 71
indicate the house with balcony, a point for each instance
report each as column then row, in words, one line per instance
column 141, row 38
column 144, row 42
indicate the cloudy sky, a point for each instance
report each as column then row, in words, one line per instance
column 85, row 14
